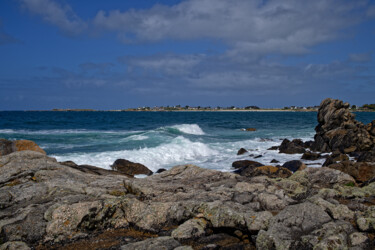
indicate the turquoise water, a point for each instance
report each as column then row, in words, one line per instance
column 161, row 139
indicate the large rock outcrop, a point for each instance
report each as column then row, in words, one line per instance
column 49, row 204
column 338, row 130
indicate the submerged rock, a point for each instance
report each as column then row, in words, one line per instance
column 241, row 151
column 292, row 147
column 294, row 165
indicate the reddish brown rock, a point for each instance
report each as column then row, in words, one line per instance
column 360, row 171
column 7, row 147
column 22, row 145
column 250, row 129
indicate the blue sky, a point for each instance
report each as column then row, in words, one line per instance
column 120, row 54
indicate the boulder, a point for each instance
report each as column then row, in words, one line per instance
column 311, row 156
column 292, row 147
column 246, row 163
column 274, row 161
column 360, row 171
column 130, row 168
column 241, row 151
column 7, row 147
column 294, row 165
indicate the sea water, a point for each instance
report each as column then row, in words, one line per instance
column 162, row 139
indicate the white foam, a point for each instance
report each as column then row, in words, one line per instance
column 179, row 151
column 192, row 129
column 138, row 137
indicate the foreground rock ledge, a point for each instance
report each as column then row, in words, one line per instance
column 45, row 204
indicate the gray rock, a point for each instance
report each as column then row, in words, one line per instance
column 287, row 227
column 193, row 228
column 14, row 245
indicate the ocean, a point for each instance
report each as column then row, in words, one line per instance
column 162, row 139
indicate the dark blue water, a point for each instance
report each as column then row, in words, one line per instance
column 159, row 139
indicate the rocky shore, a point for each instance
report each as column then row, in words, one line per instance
column 45, row 204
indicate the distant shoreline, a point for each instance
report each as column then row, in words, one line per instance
column 211, row 110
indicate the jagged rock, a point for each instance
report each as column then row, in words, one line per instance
column 274, row 161
column 130, row 168
column 294, row 165
column 311, row 156
column 7, row 147
column 246, row 163
column 241, row 151
column 287, row 227
column 292, row 147
column 165, row 243
column 338, row 130
column 360, row 171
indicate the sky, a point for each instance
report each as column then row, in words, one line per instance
column 118, row 54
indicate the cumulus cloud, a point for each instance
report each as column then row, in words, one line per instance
column 56, row 14
column 256, row 26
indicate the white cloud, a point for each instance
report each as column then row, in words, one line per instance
column 56, row 14
column 255, row 26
